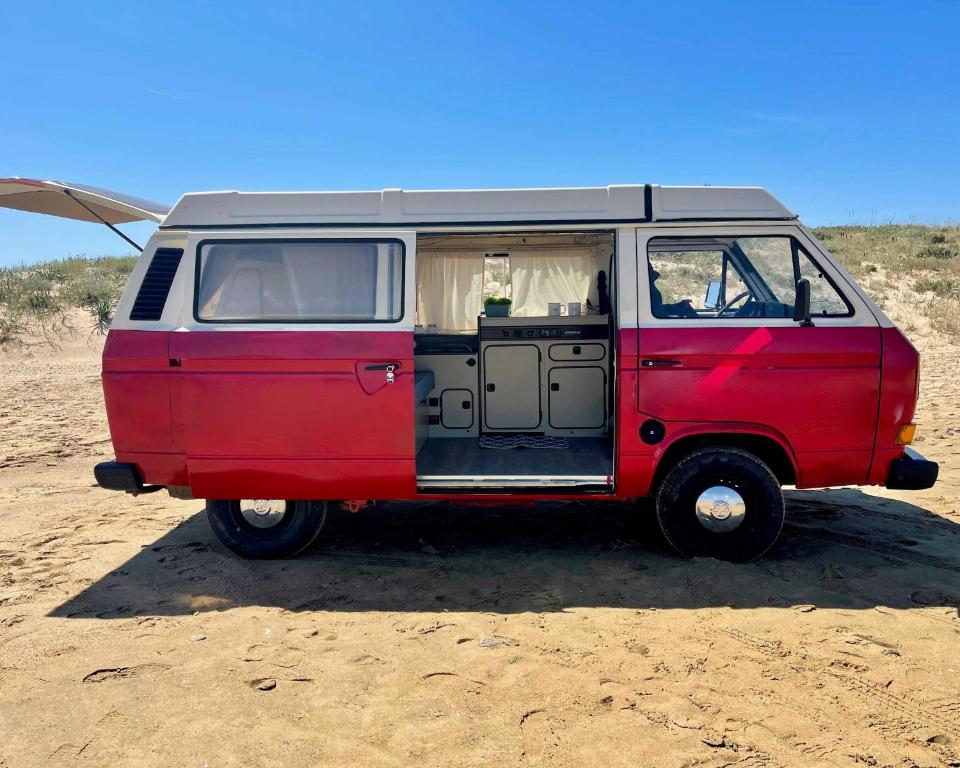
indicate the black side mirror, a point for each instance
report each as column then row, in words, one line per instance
column 801, row 306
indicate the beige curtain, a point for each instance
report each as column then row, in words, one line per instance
column 542, row 277
column 449, row 289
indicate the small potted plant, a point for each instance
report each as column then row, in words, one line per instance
column 495, row 306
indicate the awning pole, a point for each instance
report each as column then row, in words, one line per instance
column 70, row 194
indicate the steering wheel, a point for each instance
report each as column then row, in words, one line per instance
column 726, row 307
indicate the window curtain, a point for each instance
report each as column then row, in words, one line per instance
column 539, row 278
column 449, row 290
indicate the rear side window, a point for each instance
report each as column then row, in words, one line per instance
column 324, row 281
column 737, row 277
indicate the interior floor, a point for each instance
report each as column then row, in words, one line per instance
column 463, row 456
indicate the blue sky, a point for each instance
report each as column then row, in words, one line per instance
column 847, row 111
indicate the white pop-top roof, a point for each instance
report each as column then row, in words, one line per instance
column 402, row 208
column 627, row 203
column 77, row 201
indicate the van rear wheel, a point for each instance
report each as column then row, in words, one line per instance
column 266, row 528
column 720, row 502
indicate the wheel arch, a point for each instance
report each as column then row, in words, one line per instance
column 767, row 445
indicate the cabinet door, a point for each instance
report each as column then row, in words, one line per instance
column 577, row 397
column 456, row 408
column 511, row 387
column 577, row 352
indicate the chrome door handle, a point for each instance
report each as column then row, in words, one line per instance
column 390, row 369
column 659, row 363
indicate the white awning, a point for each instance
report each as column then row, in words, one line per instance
column 58, row 198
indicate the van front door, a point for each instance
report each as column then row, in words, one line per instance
column 719, row 351
column 294, row 366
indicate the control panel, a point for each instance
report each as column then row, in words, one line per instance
column 532, row 329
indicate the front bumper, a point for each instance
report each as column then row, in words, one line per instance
column 912, row 472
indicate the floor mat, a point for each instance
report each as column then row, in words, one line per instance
column 506, row 442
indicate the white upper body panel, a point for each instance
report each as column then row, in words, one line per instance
column 397, row 207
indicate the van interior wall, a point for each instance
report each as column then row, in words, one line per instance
column 451, row 285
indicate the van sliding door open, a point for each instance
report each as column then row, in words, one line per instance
column 521, row 388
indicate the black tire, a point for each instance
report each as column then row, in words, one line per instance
column 297, row 530
column 735, row 469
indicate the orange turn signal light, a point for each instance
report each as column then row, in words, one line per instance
column 905, row 434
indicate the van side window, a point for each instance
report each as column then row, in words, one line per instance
column 729, row 278
column 299, row 281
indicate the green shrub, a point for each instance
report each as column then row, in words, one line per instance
column 943, row 287
column 11, row 325
column 102, row 311
column 38, row 296
column 937, row 251
column 497, row 300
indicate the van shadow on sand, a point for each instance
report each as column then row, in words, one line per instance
column 840, row 548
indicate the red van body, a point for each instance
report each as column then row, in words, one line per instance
column 662, row 389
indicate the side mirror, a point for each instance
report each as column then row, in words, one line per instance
column 801, row 306
column 712, row 299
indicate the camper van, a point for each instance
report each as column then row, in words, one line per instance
column 278, row 353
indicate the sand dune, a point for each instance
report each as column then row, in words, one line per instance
column 439, row 635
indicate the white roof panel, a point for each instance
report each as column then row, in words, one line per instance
column 402, row 208
column 686, row 203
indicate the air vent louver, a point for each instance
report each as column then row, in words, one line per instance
column 156, row 284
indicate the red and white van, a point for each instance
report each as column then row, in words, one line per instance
column 276, row 353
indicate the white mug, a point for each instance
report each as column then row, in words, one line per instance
column 554, row 309
column 573, row 309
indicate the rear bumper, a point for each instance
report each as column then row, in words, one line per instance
column 912, row 472
column 116, row 476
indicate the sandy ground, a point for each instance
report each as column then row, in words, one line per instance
column 436, row 635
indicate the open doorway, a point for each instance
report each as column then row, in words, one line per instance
column 514, row 371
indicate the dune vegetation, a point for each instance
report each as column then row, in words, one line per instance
column 911, row 270
column 43, row 296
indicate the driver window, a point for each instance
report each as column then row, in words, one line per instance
column 727, row 278
column 687, row 281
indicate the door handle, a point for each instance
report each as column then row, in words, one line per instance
column 391, row 377
column 659, row 363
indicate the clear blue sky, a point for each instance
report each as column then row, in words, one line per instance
column 847, row 111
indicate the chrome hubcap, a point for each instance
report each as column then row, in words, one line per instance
column 263, row 513
column 720, row 509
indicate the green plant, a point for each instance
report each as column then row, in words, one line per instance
column 11, row 326
column 102, row 311
column 937, row 251
column 38, row 296
column 943, row 287
column 498, row 300
column 938, row 238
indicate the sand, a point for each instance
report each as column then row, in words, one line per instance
column 441, row 635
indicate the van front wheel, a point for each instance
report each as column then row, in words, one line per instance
column 720, row 502
column 266, row 528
